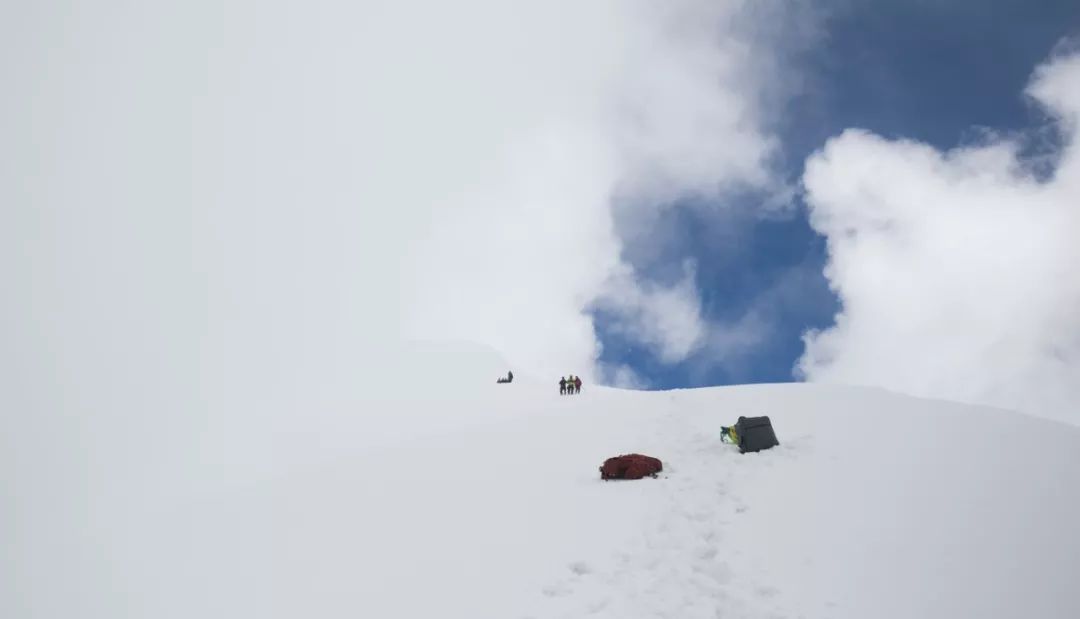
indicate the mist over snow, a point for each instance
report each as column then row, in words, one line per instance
column 957, row 270
column 245, row 203
column 220, row 221
column 262, row 262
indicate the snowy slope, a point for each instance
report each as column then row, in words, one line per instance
column 479, row 500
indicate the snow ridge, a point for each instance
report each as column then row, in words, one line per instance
column 486, row 502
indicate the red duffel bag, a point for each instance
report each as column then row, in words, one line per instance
column 630, row 466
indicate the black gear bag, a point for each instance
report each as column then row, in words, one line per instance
column 755, row 434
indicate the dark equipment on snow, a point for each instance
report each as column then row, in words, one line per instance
column 509, row 378
column 630, row 466
column 752, row 434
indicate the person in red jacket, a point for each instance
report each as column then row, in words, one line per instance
column 577, row 384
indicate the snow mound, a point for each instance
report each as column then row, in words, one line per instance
column 489, row 504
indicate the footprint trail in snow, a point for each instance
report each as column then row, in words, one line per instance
column 680, row 564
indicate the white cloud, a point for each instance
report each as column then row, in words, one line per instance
column 667, row 319
column 637, row 101
column 218, row 214
column 621, row 376
column 956, row 270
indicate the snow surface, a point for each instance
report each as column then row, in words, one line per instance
column 438, row 493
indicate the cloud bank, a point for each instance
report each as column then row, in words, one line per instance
column 624, row 109
column 957, row 270
column 244, row 203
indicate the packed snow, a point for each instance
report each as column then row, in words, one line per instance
column 439, row 493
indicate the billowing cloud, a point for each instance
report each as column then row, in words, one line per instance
column 227, row 201
column 661, row 104
column 665, row 318
column 957, row 270
column 219, row 219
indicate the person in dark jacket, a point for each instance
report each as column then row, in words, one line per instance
column 562, row 386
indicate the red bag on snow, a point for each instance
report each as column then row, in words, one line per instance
column 630, row 466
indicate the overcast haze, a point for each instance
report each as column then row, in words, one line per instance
column 245, row 201
column 220, row 222
column 213, row 213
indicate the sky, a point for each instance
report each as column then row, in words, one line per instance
column 239, row 205
column 948, row 76
column 940, row 73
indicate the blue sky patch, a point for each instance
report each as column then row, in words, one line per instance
column 941, row 73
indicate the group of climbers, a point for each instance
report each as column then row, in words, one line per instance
column 569, row 386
